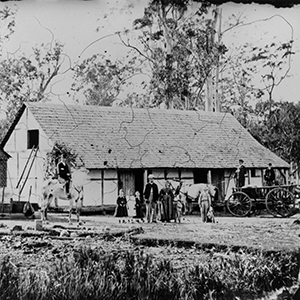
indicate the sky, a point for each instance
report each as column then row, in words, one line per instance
column 74, row 23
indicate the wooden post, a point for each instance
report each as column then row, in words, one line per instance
column 209, row 177
column 2, row 202
column 102, row 187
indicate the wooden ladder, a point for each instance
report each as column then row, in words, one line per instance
column 26, row 171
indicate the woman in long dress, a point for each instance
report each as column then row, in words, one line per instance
column 167, row 208
column 121, row 209
column 139, row 214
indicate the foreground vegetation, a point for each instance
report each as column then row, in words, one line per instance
column 94, row 273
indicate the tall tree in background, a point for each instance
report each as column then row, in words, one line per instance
column 24, row 79
column 7, row 25
column 101, row 80
column 175, row 52
column 252, row 75
column 178, row 47
column 278, row 129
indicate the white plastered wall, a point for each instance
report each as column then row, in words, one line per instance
column 16, row 147
column 93, row 188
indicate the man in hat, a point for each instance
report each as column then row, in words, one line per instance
column 151, row 197
column 204, row 202
column 63, row 171
column 269, row 175
column 240, row 174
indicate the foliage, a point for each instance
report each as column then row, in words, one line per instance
column 252, row 75
column 102, row 80
column 9, row 277
column 7, row 24
column 175, row 51
column 179, row 45
column 28, row 80
column 94, row 273
column 278, row 129
column 24, row 79
column 52, row 158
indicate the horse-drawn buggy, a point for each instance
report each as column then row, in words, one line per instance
column 279, row 201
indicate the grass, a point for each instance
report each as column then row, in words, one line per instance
column 93, row 273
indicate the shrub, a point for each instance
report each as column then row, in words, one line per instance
column 133, row 274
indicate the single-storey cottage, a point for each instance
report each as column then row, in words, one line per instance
column 120, row 146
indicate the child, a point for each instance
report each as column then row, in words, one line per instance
column 178, row 209
column 139, row 206
column 121, row 209
column 204, row 203
column 130, row 205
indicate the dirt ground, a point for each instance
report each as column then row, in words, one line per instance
column 31, row 249
column 261, row 232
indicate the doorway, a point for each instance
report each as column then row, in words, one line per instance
column 132, row 180
column 200, row 176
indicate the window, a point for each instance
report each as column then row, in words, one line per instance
column 255, row 173
column 32, row 139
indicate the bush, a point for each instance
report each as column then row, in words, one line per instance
column 134, row 274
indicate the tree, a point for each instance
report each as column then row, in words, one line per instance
column 176, row 49
column 278, row 129
column 252, row 75
column 101, row 80
column 25, row 79
column 179, row 48
column 7, row 24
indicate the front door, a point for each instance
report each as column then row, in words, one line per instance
column 131, row 181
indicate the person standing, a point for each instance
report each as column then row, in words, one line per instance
column 139, row 206
column 240, row 174
column 121, row 209
column 167, row 207
column 269, row 175
column 204, row 202
column 63, row 172
column 151, row 197
column 131, row 204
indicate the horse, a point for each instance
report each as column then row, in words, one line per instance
column 191, row 192
column 54, row 190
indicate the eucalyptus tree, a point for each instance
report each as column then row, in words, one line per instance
column 28, row 78
column 101, row 79
column 171, row 46
column 278, row 129
column 7, row 24
column 177, row 39
column 252, row 75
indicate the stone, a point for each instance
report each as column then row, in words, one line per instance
column 73, row 235
column 38, row 225
column 64, row 233
column 17, row 228
column 18, row 244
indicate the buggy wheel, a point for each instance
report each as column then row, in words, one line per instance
column 239, row 204
column 280, row 202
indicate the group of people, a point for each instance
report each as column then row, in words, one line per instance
column 164, row 205
column 122, row 206
column 241, row 173
column 160, row 205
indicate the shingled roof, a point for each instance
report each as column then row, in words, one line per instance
column 113, row 137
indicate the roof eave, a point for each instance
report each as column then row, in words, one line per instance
column 12, row 126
